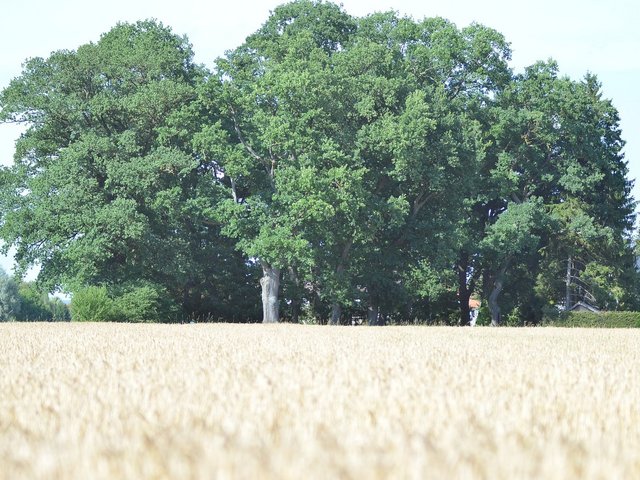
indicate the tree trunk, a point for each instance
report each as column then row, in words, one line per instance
column 494, row 307
column 464, row 293
column 567, row 281
column 465, row 311
column 270, row 283
column 296, row 303
column 498, row 284
column 373, row 313
column 316, row 303
column 336, row 313
column 296, row 307
column 336, row 309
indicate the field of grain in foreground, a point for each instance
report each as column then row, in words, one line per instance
column 253, row 401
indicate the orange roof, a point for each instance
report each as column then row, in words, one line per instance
column 473, row 303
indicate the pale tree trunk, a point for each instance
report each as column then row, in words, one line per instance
column 270, row 283
column 498, row 285
column 567, row 301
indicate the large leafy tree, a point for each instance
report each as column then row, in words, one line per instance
column 290, row 175
column 102, row 191
column 377, row 166
column 593, row 211
column 553, row 187
column 429, row 144
column 352, row 147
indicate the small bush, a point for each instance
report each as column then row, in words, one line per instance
column 146, row 303
column 141, row 304
column 93, row 304
column 597, row 320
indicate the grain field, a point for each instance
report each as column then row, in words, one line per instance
column 104, row 401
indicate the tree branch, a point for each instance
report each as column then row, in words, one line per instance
column 269, row 169
column 234, row 194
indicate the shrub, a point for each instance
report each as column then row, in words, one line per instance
column 141, row 304
column 146, row 303
column 93, row 304
column 597, row 320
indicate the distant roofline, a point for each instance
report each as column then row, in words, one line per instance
column 591, row 308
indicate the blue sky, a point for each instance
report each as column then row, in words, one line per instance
column 582, row 35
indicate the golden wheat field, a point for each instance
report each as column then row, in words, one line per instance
column 134, row 401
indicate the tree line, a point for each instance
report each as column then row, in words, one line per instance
column 25, row 301
column 330, row 168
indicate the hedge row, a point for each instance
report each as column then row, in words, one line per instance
column 94, row 304
column 597, row 320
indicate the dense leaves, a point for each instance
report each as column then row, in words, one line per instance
column 376, row 168
column 101, row 192
column 37, row 305
column 9, row 298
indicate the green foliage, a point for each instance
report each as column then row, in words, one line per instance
column 380, row 163
column 134, row 303
column 484, row 316
column 9, row 298
column 59, row 310
column 554, row 142
column 37, row 306
column 141, row 304
column 106, row 187
column 93, row 304
column 597, row 320
column 348, row 197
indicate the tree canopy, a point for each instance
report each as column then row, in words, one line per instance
column 10, row 304
column 379, row 167
column 103, row 189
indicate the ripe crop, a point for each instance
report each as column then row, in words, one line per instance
column 289, row 401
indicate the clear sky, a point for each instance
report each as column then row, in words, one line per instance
column 582, row 35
